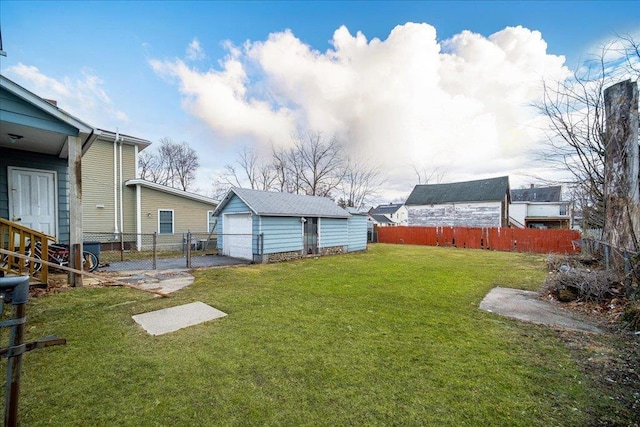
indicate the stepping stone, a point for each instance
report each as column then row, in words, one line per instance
column 174, row 318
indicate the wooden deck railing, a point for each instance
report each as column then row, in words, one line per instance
column 22, row 240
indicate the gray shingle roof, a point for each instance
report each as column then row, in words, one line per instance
column 381, row 219
column 537, row 194
column 270, row 203
column 483, row 190
column 386, row 209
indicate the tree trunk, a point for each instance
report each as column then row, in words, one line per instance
column 622, row 167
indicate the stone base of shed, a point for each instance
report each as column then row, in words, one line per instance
column 289, row 256
column 333, row 250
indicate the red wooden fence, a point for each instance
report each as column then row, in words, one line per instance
column 499, row 239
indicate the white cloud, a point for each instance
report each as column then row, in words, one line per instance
column 194, row 51
column 83, row 97
column 462, row 105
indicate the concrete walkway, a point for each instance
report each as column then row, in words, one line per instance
column 527, row 306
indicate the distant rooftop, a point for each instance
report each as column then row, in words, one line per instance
column 483, row 190
column 537, row 194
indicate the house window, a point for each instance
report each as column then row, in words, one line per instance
column 165, row 221
column 211, row 221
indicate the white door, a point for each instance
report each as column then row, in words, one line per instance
column 33, row 199
column 237, row 236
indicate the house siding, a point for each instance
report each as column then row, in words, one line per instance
column 485, row 214
column 333, row 232
column 98, row 189
column 23, row 159
column 281, row 234
column 188, row 215
column 357, row 233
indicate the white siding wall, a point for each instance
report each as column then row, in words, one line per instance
column 486, row 214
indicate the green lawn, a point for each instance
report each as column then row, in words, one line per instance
column 392, row 336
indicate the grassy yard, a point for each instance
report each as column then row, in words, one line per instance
column 392, row 336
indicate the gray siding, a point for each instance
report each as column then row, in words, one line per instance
column 30, row 160
column 333, row 232
column 357, row 233
column 281, row 234
column 486, row 214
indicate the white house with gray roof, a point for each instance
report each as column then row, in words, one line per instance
column 479, row 203
column 264, row 226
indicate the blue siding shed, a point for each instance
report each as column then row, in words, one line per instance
column 284, row 226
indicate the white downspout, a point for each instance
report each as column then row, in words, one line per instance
column 115, row 183
column 138, row 217
column 120, row 184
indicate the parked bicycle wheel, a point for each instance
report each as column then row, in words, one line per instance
column 37, row 266
column 89, row 261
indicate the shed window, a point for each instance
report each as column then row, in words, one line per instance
column 165, row 222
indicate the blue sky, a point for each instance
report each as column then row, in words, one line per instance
column 127, row 65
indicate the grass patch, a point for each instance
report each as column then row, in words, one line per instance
column 392, row 336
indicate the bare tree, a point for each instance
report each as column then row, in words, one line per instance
column 360, row 183
column 173, row 164
column 425, row 176
column 248, row 171
column 576, row 134
column 318, row 163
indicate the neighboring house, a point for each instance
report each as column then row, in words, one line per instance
column 169, row 212
column 266, row 226
column 481, row 203
column 108, row 205
column 41, row 149
column 539, row 207
column 120, row 207
column 379, row 221
column 396, row 213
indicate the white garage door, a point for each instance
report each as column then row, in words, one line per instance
column 237, row 238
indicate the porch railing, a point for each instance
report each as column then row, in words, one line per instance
column 16, row 238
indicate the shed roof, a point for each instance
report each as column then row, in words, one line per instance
column 269, row 203
column 483, row 190
column 537, row 194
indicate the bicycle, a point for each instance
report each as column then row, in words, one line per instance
column 59, row 254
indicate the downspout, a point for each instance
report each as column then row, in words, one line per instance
column 120, row 184
column 115, row 184
column 138, row 217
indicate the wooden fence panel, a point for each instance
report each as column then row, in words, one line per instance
column 499, row 239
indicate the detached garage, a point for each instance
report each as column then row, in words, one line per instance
column 264, row 226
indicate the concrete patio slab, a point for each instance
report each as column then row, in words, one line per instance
column 174, row 318
column 527, row 306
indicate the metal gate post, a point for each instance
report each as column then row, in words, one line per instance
column 155, row 248
column 188, row 249
column 15, row 289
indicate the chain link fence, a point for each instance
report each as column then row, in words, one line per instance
column 132, row 251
